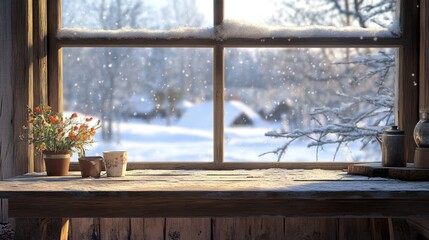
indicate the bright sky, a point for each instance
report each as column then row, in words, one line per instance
column 249, row 10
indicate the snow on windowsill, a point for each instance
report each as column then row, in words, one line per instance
column 235, row 29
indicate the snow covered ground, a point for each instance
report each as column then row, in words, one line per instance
column 158, row 142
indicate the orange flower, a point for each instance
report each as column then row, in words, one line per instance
column 89, row 119
column 72, row 135
column 75, row 128
column 74, row 115
column 52, row 119
column 42, row 146
column 36, row 109
column 46, row 108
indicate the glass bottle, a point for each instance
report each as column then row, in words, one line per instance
column 421, row 131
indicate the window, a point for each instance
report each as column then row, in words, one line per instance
column 209, row 80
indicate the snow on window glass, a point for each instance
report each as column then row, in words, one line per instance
column 364, row 13
column 145, row 99
column 317, row 104
column 136, row 14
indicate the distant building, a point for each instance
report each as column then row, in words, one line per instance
column 279, row 112
column 236, row 114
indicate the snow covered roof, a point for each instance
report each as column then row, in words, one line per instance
column 234, row 28
column 201, row 115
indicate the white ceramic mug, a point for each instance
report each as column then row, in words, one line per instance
column 115, row 163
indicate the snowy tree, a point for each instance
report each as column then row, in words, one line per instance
column 350, row 121
column 360, row 117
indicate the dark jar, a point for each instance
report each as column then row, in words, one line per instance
column 392, row 148
column 421, row 131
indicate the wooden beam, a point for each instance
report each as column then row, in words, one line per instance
column 40, row 39
column 424, row 55
column 6, row 102
column 227, row 204
column 22, row 45
column 407, row 112
column 218, row 104
column 293, row 42
column 218, row 88
column 55, row 60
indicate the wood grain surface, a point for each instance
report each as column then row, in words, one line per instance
column 185, row 193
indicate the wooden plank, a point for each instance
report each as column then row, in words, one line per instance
column 187, row 228
column 38, row 228
column 6, row 102
column 4, row 208
column 114, row 228
column 147, row 228
column 22, row 46
column 247, row 228
column 370, row 170
column 27, row 228
column 220, row 207
column 311, row 228
column 420, row 225
column 179, row 193
column 408, row 173
column 354, row 228
column 379, row 228
column 231, row 165
column 400, row 230
column 55, row 60
column 424, row 55
column 407, row 109
column 85, row 228
column 40, row 40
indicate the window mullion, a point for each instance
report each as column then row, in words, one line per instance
column 218, row 87
column 55, row 76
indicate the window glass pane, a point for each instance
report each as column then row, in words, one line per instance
column 136, row 14
column 365, row 13
column 148, row 100
column 338, row 97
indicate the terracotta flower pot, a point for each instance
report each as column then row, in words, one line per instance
column 90, row 166
column 57, row 162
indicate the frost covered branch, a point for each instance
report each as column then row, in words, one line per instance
column 360, row 118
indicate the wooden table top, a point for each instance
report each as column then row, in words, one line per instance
column 190, row 193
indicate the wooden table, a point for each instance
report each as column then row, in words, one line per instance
column 192, row 193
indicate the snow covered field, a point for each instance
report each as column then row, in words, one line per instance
column 153, row 142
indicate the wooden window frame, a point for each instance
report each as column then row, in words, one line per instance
column 407, row 99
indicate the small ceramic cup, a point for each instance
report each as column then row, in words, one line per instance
column 115, row 163
column 90, row 166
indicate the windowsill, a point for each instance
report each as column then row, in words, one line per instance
column 190, row 193
column 192, row 165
